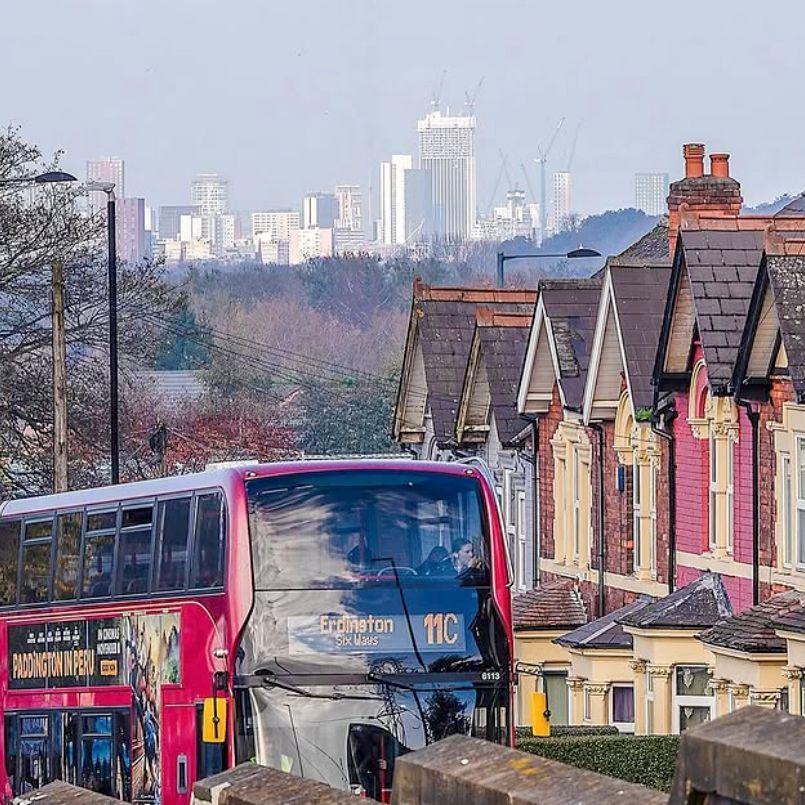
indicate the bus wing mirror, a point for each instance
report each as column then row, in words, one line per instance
column 214, row 720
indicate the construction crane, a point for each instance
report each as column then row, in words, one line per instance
column 573, row 147
column 469, row 99
column 541, row 160
column 503, row 168
column 437, row 94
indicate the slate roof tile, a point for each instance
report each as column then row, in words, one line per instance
column 445, row 325
column 721, row 267
column 754, row 629
column 787, row 280
column 606, row 632
column 697, row 605
column 553, row 606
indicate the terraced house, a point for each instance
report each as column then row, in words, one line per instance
column 457, row 396
column 654, row 434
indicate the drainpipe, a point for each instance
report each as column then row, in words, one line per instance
column 754, row 420
column 534, row 461
column 602, row 551
column 667, row 434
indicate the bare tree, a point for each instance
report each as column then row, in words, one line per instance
column 37, row 227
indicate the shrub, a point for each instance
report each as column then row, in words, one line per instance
column 561, row 731
column 646, row 759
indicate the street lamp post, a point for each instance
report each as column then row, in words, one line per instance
column 114, row 427
column 58, row 338
column 574, row 254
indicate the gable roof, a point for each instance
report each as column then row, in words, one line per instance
column 650, row 250
column 553, row 606
column 498, row 348
column 698, row 605
column 794, row 208
column 441, row 325
column 605, row 632
column 633, row 303
column 780, row 284
column 754, row 629
column 717, row 268
column 566, row 310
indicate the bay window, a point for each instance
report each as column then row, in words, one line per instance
column 694, row 702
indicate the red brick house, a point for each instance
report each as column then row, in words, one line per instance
column 717, row 254
column 770, row 372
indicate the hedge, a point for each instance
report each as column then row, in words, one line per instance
column 646, row 759
column 561, row 731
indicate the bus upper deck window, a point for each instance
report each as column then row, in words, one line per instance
column 208, row 543
column 134, row 554
column 173, row 524
column 68, row 552
column 9, row 557
column 36, row 561
column 99, row 550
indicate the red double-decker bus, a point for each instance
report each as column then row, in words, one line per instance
column 319, row 617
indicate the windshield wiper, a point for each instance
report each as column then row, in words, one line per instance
column 273, row 682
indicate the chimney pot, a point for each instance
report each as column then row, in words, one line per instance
column 720, row 165
column 694, row 160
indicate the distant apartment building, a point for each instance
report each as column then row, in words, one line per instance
column 133, row 239
column 320, row 211
column 275, row 224
column 348, row 241
column 447, row 152
column 105, row 169
column 170, row 217
column 561, row 201
column 391, row 230
column 271, row 251
column 651, row 193
column 210, row 192
column 350, row 207
column 309, row 244
column 515, row 218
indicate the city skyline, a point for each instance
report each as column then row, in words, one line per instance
column 611, row 80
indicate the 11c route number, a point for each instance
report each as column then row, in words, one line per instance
column 441, row 628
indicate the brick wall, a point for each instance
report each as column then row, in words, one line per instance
column 548, row 423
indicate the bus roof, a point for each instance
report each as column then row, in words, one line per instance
column 224, row 477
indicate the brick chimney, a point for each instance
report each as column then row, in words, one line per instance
column 714, row 194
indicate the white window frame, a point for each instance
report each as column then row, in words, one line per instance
column 637, row 514
column 800, row 501
column 712, row 499
column 576, row 479
column 587, row 705
column 520, row 557
column 680, row 701
column 786, row 515
column 622, row 726
column 653, row 512
column 730, row 535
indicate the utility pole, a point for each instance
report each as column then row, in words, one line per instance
column 114, row 427
column 59, row 378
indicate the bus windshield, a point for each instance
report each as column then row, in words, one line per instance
column 365, row 569
column 335, row 529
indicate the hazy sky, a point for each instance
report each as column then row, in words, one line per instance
column 285, row 98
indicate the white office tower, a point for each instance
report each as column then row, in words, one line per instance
column 350, row 207
column 105, row 169
column 392, row 199
column 210, row 193
column 320, row 211
column 275, row 224
column 561, row 201
column 447, row 151
column 651, row 193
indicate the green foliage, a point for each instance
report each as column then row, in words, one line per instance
column 646, row 759
column 348, row 416
column 186, row 343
